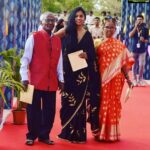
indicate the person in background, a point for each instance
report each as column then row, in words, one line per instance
column 96, row 30
column 43, row 62
column 115, row 17
column 108, row 15
column 64, row 16
column 58, row 16
column 79, row 85
column 139, row 40
column 117, row 32
column 114, row 62
column 103, row 16
column 90, row 19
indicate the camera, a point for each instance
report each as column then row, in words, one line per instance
column 141, row 26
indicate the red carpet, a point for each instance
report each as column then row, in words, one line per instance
column 135, row 129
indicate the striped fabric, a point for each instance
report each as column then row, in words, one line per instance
column 17, row 19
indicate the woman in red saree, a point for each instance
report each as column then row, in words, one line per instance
column 114, row 61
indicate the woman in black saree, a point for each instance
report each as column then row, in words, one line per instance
column 79, row 85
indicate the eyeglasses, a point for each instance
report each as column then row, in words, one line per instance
column 109, row 27
column 49, row 20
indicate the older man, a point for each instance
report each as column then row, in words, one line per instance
column 42, row 57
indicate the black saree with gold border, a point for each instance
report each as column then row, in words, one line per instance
column 78, row 87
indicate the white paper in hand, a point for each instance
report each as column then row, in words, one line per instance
column 27, row 96
column 76, row 62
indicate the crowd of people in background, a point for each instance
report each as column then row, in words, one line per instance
column 93, row 23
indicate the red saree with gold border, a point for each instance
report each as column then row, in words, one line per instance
column 112, row 56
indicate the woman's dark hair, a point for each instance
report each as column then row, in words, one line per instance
column 71, row 29
column 71, row 25
column 60, row 21
column 59, row 25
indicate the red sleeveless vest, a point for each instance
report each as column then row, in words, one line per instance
column 43, row 66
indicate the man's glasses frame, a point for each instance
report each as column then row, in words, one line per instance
column 50, row 20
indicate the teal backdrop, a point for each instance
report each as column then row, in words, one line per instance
column 18, row 18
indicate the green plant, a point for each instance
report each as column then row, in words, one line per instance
column 12, row 57
column 10, row 70
column 7, row 80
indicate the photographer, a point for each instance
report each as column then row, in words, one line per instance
column 139, row 40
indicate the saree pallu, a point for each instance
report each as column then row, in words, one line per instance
column 77, row 87
column 113, row 55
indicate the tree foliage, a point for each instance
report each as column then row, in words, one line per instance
column 61, row 5
column 114, row 6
